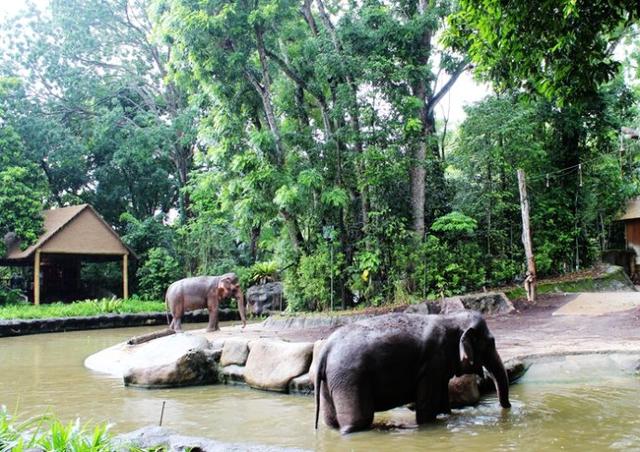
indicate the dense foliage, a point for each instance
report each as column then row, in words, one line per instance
column 563, row 49
column 297, row 140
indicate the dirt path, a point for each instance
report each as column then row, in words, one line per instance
column 534, row 330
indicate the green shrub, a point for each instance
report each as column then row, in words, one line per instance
column 11, row 296
column 503, row 271
column 308, row 286
column 157, row 273
column 447, row 262
column 367, row 265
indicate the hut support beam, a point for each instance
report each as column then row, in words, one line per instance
column 36, row 279
column 125, row 276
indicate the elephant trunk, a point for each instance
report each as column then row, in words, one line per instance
column 241, row 306
column 499, row 374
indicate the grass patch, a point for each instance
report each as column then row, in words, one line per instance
column 84, row 308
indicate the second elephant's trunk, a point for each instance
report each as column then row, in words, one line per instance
column 499, row 374
column 241, row 306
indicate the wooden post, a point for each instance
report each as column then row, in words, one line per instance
column 530, row 279
column 125, row 276
column 36, row 279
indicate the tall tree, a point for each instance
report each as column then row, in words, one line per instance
column 98, row 90
column 562, row 49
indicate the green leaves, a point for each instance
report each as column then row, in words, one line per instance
column 455, row 224
column 286, row 197
column 559, row 49
column 21, row 206
column 160, row 269
column 335, row 197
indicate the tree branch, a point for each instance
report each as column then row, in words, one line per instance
column 434, row 99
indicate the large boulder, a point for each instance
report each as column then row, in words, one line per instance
column 427, row 307
column 317, row 348
column 464, row 391
column 176, row 360
column 160, row 438
column 196, row 367
column 232, row 374
column 266, row 298
column 118, row 359
column 234, row 351
column 487, row 303
column 273, row 364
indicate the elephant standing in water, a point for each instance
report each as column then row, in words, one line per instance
column 392, row 360
column 203, row 291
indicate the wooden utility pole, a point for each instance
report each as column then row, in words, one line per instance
column 530, row 279
column 36, row 279
column 125, row 276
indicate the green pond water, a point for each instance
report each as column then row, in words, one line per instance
column 572, row 403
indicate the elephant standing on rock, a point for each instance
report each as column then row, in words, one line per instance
column 395, row 359
column 203, row 291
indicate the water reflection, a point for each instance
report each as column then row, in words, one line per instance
column 568, row 403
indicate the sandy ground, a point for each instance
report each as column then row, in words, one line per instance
column 535, row 330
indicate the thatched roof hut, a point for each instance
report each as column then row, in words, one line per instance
column 71, row 235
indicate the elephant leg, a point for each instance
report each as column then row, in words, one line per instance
column 176, row 324
column 212, row 305
column 441, row 398
column 354, row 408
column 176, row 314
column 328, row 409
column 427, row 401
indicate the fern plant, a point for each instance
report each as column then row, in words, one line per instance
column 263, row 272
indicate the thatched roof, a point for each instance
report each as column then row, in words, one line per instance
column 76, row 230
column 632, row 210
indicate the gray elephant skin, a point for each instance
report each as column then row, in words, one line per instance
column 396, row 359
column 201, row 292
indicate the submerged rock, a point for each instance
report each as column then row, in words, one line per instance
column 159, row 438
column 301, row 385
column 232, row 374
column 464, row 391
column 273, row 364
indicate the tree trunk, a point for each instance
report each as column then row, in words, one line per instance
column 265, row 94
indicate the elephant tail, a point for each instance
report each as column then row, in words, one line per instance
column 320, row 376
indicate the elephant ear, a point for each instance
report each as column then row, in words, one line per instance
column 466, row 347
